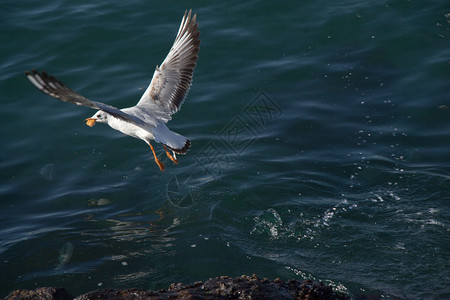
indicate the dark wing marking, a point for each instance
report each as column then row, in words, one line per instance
column 55, row 88
column 171, row 82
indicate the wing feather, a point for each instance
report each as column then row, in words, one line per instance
column 165, row 93
column 53, row 87
column 172, row 80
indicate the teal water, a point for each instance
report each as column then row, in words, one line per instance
column 320, row 147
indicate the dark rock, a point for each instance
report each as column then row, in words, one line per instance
column 127, row 294
column 43, row 293
column 224, row 287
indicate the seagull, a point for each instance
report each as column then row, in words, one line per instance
column 162, row 98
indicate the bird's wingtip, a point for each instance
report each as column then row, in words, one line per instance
column 32, row 72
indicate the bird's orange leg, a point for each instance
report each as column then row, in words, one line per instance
column 170, row 156
column 160, row 164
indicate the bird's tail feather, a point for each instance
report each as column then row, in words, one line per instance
column 174, row 141
column 184, row 149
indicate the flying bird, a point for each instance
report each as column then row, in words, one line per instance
column 162, row 98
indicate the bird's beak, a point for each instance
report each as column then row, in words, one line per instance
column 90, row 122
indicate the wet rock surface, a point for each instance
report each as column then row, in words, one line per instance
column 224, row 287
column 44, row 293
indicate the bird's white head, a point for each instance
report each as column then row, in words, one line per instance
column 99, row 116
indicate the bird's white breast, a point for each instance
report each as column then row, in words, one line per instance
column 129, row 128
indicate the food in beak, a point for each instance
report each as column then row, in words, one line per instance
column 90, row 122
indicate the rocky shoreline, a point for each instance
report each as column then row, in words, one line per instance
column 224, row 287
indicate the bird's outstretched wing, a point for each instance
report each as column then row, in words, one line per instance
column 55, row 88
column 172, row 80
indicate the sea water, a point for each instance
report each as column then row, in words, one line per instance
column 320, row 147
